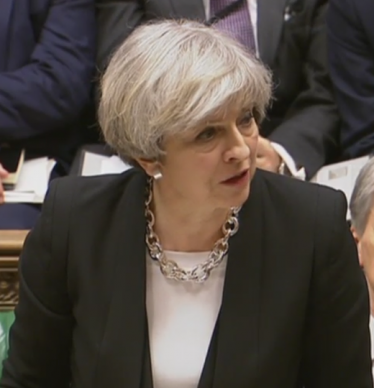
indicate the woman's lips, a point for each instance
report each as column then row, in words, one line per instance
column 237, row 179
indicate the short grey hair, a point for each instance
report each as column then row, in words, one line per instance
column 362, row 197
column 168, row 77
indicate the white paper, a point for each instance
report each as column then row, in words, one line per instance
column 32, row 183
column 113, row 165
column 341, row 176
column 96, row 164
column 11, row 197
column 92, row 163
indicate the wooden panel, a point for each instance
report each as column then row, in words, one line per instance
column 8, row 289
column 11, row 243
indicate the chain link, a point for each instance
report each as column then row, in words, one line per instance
column 169, row 268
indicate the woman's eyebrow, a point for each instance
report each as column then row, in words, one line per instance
column 217, row 119
column 247, row 109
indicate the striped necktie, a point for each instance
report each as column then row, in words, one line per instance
column 238, row 23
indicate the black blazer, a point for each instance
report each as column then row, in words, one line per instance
column 303, row 117
column 294, row 313
column 351, row 54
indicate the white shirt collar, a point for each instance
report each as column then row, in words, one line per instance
column 371, row 325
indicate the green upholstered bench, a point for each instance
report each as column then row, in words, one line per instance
column 6, row 320
column 11, row 243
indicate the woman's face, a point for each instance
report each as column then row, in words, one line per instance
column 366, row 249
column 212, row 165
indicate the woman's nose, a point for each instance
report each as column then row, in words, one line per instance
column 238, row 148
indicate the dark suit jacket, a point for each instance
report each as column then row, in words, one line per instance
column 294, row 313
column 351, row 56
column 47, row 51
column 303, row 117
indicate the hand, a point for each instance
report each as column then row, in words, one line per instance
column 3, row 174
column 267, row 158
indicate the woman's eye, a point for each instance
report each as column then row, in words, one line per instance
column 207, row 134
column 246, row 119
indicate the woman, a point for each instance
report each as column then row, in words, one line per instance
column 259, row 283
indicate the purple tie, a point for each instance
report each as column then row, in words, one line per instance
column 238, row 24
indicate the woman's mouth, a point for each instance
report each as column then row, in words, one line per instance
column 238, row 179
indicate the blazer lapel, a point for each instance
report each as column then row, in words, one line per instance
column 6, row 7
column 207, row 375
column 236, row 339
column 123, row 350
column 188, row 9
column 270, row 19
column 147, row 379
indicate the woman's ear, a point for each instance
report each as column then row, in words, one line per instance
column 358, row 243
column 355, row 235
column 151, row 167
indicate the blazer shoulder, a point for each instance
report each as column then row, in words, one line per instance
column 307, row 199
column 93, row 191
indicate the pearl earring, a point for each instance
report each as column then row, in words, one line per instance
column 157, row 176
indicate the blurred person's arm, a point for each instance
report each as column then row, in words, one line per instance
column 273, row 157
column 51, row 91
column 116, row 20
column 309, row 131
column 337, row 337
column 351, row 57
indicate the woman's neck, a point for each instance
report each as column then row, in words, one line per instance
column 371, row 298
column 184, row 227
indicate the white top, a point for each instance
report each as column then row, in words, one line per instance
column 372, row 341
column 181, row 320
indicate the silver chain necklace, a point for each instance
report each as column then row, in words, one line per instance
column 200, row 273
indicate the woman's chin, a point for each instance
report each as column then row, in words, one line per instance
column 239, row 199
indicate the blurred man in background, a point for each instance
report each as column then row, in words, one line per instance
column 362, row 214
column 351, row 57
column 47, row 63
